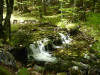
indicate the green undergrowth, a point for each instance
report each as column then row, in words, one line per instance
column 54, row 19
column 4, row 71
column 14, row 27
column 23, row 71
column 27, row 34
column 93, row 26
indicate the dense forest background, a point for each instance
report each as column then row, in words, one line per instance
column 49, row 37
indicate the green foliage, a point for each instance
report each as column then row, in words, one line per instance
column 94, row 19
column 62, row 23
column 14, row 27
column 4, row 71
column 1, row 44
column 54, row 19
column 96, row 46
column 23, row 71
column 93, row 24
column 68, row 10
column 27, row 34
column 20, row 37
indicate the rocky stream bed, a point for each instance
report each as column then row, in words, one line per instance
column 68, row 52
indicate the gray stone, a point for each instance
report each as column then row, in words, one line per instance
column 38, row 68
column 7, row 58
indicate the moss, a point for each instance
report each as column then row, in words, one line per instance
column 27, row 34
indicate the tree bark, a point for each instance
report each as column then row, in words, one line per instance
column 44, row 7
column 7, row 24
column 1, row 17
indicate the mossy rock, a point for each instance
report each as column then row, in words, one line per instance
column 72, row 27
column 28, row 34
column 75, row 72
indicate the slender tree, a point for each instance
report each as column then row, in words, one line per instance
column 44, row 7
column 1, row 17
column 7, row 24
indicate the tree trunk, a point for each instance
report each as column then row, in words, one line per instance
column 40, row 9
column 7, row 24
column 44, row 7
column 1, row 17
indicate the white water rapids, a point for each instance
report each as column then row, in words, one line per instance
column 65, row 40
column 39, row 53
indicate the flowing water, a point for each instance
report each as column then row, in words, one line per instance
column 39, row 52
column 65, row 39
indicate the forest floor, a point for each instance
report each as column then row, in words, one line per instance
column 91, row 27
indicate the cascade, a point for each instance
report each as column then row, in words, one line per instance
column 65, row 39
column 39, row 53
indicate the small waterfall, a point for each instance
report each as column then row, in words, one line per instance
column 65, row 39
column 39, row 53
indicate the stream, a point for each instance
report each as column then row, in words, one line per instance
column 39, row 53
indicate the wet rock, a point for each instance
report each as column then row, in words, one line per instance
column 60, row 66
column 75, row 71
column 72, row 28
column 81, row 65
column 39, row 68
column 93, row 71
column 7, row 58
column 57, row 41
column 49, row 47
column 20, row 54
